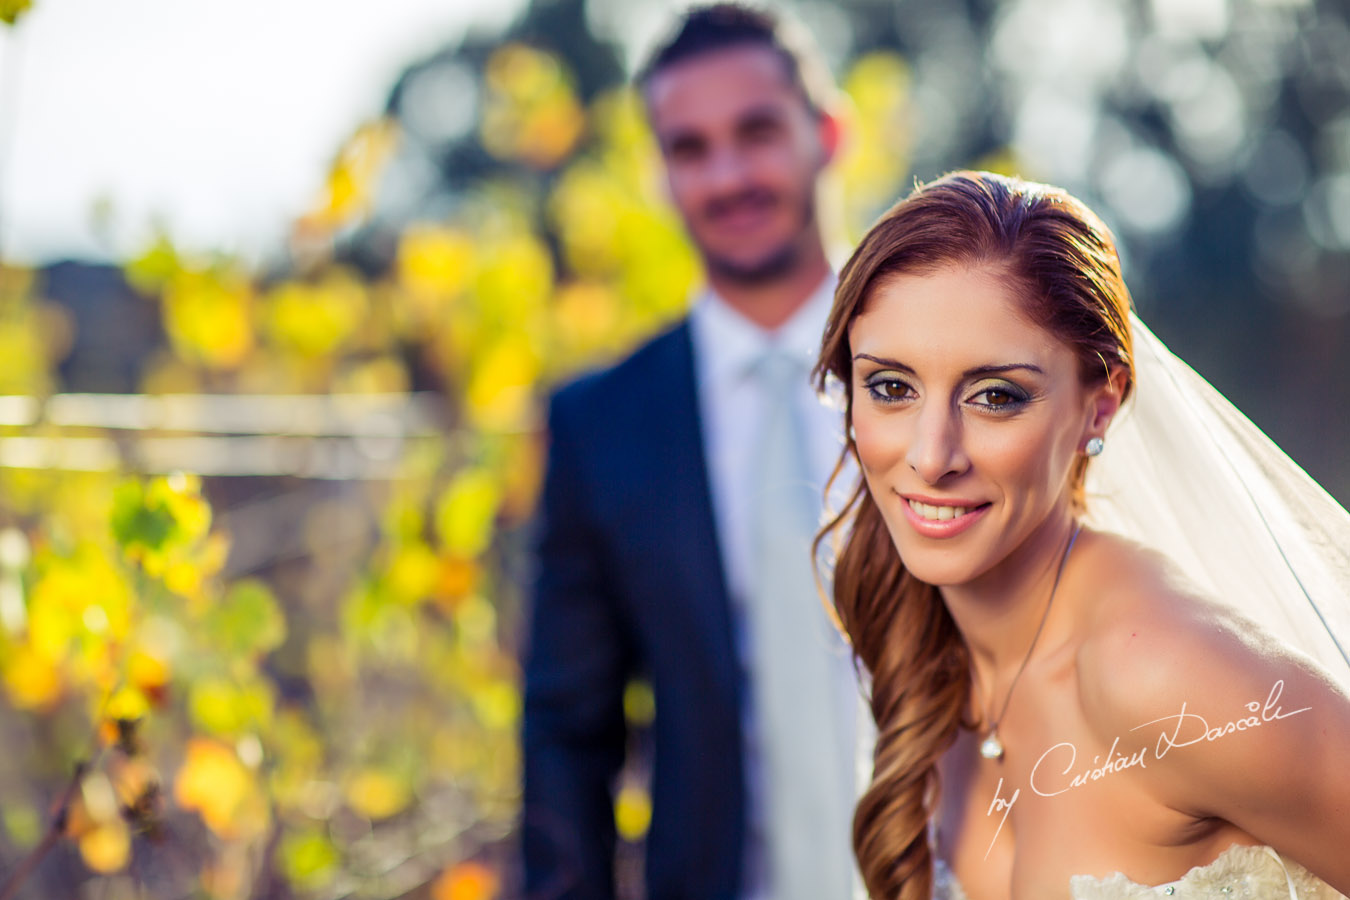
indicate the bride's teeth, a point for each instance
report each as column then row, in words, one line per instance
column 938, row 513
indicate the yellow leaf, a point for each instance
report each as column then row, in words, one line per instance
column 10, row 10
column 52, row 622
column 149, row 272
column 23, row 357
column 587, row 207
column 181, row 494
column 455, row 579
column 377, row 794
column 500, row 395
column 314, row 320
column 128, row 703
column 209, row 317
column 435, row 264
column 586, row 318
column 412, row 573
column 497, row 704
column 106, row 847
column 632, row 812
column 466, row 881
column 97, row 826
column 639, row 703
column 75, row 597
column 354, row 176
column 531, row 113
column 147, row 671
column 878, row 83
column 222, row 707
column 514, row 280
column 216, row 784
column 31, row 680
column 466, row 511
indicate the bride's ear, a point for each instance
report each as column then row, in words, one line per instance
column 1106, row 399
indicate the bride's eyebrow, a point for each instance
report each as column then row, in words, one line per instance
column 977, row 372
column 883, row 361
column 980, row 371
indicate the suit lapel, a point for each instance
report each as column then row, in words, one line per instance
column 675, row 445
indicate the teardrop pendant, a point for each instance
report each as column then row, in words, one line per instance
column 991, row 747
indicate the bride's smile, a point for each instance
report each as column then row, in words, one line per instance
column 941, row 517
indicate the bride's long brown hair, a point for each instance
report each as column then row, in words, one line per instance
column 1062, row 263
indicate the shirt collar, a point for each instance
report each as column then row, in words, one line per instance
column 734, row 343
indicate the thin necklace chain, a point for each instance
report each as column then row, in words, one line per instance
column 1063, row 561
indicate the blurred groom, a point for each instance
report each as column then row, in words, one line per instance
column 683, row 487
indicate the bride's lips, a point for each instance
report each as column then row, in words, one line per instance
column 941, row 517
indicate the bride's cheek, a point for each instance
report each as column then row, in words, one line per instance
column 878, row 446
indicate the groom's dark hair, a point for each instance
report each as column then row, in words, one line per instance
column 721, row 26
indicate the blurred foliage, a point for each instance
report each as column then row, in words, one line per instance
column 11, row 10
column 346, row 723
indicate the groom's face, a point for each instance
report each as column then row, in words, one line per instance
column 743, row 150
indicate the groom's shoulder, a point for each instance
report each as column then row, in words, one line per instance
column 602, row 391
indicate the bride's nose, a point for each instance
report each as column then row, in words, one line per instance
column 935, row 449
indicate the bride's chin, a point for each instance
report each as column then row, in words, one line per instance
column 939, row 568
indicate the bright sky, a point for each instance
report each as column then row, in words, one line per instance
column 217, row 119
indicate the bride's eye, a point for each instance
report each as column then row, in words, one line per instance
column 887, row 388
column 1001, row 398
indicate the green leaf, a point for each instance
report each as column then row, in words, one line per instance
column 220, row 707
column 160, row 262
column 247, row 621
column 309, row 859
column 137, row 524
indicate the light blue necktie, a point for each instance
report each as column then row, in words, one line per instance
column 807, row 764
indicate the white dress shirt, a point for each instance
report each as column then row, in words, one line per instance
column 731, row 406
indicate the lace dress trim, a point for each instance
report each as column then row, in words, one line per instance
column 1239, row 873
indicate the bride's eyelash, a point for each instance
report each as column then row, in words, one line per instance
column 999, row 399
column 1012, row 398
column 877, row 384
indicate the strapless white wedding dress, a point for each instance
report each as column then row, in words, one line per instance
column 1240, row 873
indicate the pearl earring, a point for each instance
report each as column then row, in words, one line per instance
column 1095, row 446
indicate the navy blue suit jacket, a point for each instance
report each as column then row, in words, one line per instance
column 630, row 580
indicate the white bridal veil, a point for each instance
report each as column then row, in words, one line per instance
column 1186, row 473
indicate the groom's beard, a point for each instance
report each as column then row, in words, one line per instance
column 778, row 262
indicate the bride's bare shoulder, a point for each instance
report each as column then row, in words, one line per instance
column 1236, row 727
column 1150, row 638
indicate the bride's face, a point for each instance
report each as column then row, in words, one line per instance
column 967, row 418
